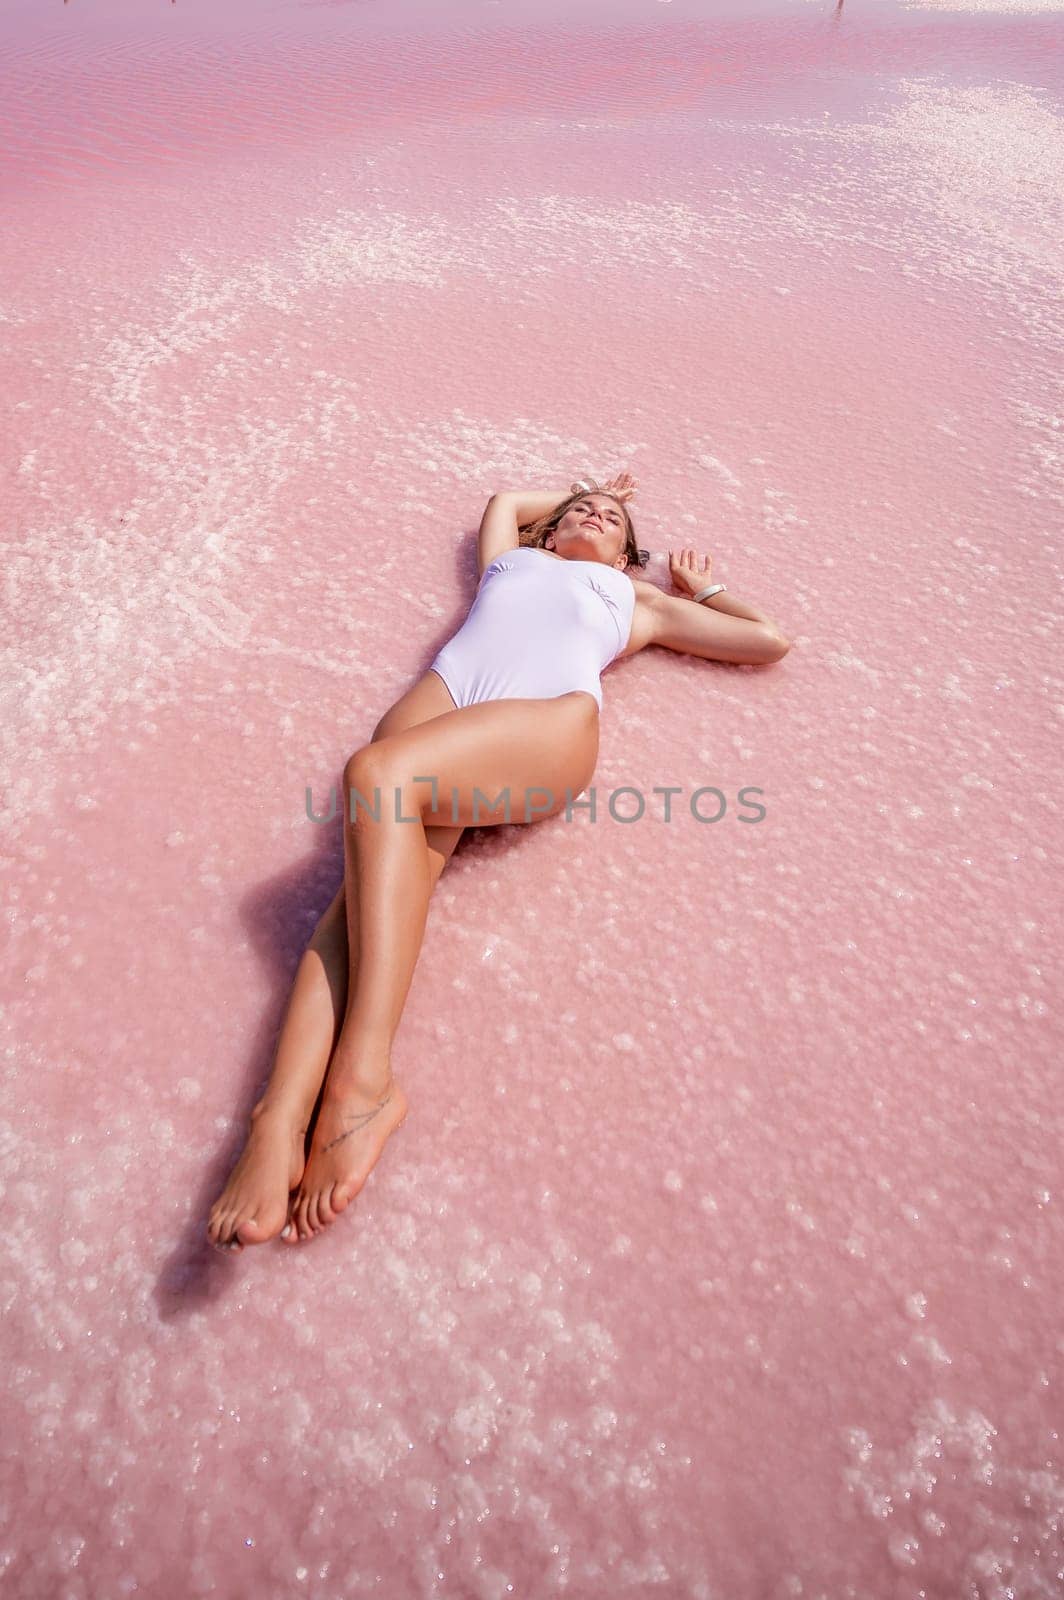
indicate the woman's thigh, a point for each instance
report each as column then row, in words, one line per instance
column 428, row 698
column 498, row 761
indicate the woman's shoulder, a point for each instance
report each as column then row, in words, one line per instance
column 504, row 560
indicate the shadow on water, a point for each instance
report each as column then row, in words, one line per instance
column 280, row 917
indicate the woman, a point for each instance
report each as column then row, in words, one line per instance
column 503, row 727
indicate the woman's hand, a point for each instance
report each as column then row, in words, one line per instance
column 623, row 486
column 686, row 574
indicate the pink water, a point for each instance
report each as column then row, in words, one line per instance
column 721, row 1253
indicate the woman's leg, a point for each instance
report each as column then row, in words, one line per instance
column 538, row 752
column 255, row 1198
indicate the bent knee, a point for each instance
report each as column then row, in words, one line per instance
column 360, row 767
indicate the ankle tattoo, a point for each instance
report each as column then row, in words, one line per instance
column 359, row 1120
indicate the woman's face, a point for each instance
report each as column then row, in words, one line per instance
column 591, row 530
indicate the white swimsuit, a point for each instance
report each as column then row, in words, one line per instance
column 540, row 626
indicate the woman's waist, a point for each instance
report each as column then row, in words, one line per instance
column 506, row 630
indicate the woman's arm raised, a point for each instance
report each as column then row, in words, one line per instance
column 504, row 516
column 531, row 504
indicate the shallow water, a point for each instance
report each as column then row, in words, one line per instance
column 719, row 1256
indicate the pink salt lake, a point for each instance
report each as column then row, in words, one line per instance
column 720, row 1255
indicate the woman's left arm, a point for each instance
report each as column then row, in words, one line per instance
column 721, row 628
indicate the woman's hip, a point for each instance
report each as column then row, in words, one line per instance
column 507, row 760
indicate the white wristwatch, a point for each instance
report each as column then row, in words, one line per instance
column 712, row 588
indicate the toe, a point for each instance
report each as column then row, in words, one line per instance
column 226, row 1233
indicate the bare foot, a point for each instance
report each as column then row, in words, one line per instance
column 352, row 1129
column 254, row 1203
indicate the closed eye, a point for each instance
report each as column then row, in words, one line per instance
column 583, row 506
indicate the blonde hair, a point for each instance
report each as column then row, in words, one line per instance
column 535, row 534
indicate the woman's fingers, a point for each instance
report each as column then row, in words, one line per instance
column 622, row 482
column 689, row 558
